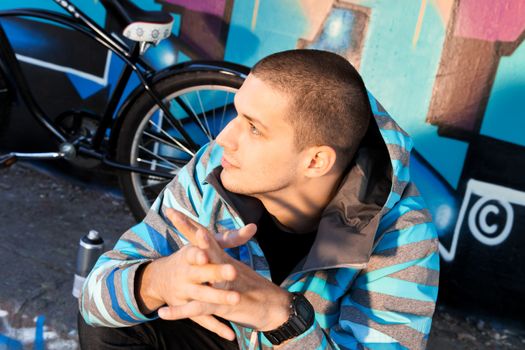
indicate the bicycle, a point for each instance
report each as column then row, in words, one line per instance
column 158, row 127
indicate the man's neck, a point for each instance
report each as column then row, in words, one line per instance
column 299, row 209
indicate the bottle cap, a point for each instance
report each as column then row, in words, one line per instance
column 93, row 235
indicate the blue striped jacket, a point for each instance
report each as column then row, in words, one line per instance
column 371, row 274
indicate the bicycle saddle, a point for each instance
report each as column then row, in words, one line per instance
column 139, row 25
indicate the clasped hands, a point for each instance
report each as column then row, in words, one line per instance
column 201, row 281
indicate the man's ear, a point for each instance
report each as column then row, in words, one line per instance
column 320, row 160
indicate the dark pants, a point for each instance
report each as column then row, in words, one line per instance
column 158, row 334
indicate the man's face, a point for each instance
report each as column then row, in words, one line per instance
column 259, row 152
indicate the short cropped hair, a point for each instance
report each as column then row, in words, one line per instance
column 330, row 105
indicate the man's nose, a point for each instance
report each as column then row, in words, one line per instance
column 226, row 137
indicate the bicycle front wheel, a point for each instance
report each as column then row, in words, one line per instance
column 200, row 102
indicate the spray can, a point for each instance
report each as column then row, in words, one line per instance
column 90, row 248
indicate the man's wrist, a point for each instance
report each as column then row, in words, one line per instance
column 280, row 312
column 145, row 293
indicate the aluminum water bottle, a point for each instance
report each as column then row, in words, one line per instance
column 90, row 248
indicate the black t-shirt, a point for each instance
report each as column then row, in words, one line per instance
column 283, row 250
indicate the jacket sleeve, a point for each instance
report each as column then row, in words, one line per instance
column 108, row 295
column 390, row 303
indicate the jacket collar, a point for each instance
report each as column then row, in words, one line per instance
column 249, row 209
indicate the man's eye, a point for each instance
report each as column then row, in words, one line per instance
column 254, row 130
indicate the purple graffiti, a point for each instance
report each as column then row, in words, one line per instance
column 212, row 7
column 490, row 20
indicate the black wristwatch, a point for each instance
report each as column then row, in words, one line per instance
column 301, row 318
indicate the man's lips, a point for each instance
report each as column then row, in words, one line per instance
column 226, row 164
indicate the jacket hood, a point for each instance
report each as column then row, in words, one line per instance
column 374, row 182
column 376, row 178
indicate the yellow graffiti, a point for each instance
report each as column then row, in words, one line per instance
column 255, row 12
column 444, row 9
column 419, row 23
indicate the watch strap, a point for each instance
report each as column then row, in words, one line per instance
column 301, row 318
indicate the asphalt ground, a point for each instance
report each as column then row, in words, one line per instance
column 43, row 216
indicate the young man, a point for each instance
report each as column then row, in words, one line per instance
column 344, row 253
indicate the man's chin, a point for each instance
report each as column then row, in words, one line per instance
column 230, row 183
column 226, row 180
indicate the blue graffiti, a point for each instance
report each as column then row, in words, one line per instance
column 8, row 342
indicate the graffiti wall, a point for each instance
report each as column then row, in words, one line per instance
column 451, row 72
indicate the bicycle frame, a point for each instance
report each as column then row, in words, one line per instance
column 86, row 26
column 133, row 63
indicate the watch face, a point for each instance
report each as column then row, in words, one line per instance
column 304, row 308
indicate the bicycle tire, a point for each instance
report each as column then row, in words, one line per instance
column 5, row 104
column 148, row 138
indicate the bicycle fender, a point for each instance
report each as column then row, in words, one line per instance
column 229, row 67
column 180, row 68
